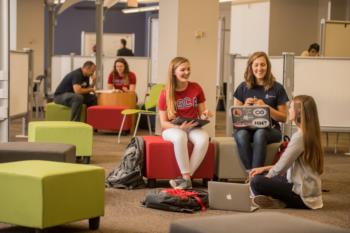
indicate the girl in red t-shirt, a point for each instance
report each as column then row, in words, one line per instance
column 121, row 78
column 185, row 99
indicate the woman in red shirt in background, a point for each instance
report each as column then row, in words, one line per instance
column 121, row 78
column 185, row 99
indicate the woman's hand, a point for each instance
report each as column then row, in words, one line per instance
column 258, row 170
column 249, row 101
column 188, row 125
column 259, row 102
column 125, row 89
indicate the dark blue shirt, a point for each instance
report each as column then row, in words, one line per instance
column 273, row 97
column 72, row 78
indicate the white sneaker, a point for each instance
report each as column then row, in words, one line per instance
column 181, row 183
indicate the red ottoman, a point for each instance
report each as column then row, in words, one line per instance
column 161, row 162
column 107, row 117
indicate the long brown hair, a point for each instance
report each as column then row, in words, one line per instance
column 249, row 77
column 126, row 69
column 171, row 85
column 306, row 118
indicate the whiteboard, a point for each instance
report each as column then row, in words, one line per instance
column 111, row 43
column 240, row 64
column 327, row 80
column 19, row 72
column 250, row 25
column 154, row 50
column 61, row 65
column 337, row 37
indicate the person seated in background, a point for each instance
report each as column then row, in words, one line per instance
column 121, row 78
column 75, row 90
column 313, row 50
column 259, row 88
column 182, row 98
column 294, row 181
column 124, row 51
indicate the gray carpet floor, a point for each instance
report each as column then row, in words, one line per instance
column 124, row 214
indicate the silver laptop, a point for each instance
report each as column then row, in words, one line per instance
column 230, row 196
column 250, row 117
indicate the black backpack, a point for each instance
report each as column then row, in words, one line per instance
column 178, row 200
column 129, row 174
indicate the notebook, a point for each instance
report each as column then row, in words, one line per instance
column 250, row 117
column 230, row 196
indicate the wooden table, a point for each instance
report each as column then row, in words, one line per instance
column 107, row 97
column 127, row 99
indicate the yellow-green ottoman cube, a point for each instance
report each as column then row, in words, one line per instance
column 58, row 112
column 69, row 132
column 41, row 194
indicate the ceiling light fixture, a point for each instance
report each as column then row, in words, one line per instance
column 140, row 9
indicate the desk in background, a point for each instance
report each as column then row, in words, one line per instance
column 113, row 98
column 108, row 97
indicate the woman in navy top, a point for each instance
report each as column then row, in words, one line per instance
column 259, row 88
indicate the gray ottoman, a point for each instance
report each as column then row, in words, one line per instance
column 17, row 151
column 228, row 164
column 252, row 223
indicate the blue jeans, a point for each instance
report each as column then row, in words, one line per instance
column 278, row 188
column 252, row 144
column 75, row 102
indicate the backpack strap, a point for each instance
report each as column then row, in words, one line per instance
column 184, row 194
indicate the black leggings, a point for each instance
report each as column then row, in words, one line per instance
column 278, row 188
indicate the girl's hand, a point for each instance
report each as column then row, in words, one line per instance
column 249, row 101
column 125, row 89
column 257, row 171
column 188, row 125
column 206, row 115
column 260, row 102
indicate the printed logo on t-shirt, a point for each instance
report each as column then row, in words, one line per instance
column 267, row 96
column 84, row 84
column 186, row 103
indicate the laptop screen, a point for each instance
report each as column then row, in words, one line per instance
column 250, row 117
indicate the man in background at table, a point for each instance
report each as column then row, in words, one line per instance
column 124, row 51
column 75, row 89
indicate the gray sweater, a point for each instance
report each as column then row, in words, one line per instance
column 306, row 182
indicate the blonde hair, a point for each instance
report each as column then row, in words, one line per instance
column 306, row 117
column 249, row 77
column 171, row 86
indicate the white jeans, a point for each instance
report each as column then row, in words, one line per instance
column 179, row 138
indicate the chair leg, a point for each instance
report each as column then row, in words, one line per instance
column 149, row 125
column 86, row 159
column 94, row 223
column 121, row 128
column 137, row 124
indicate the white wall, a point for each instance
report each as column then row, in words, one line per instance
column 250, row 28
column 167, row 35
column 13, row 24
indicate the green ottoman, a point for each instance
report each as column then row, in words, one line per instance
column 58, row 112
column 228, row 164
column 68, row 132
column 42, row 194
